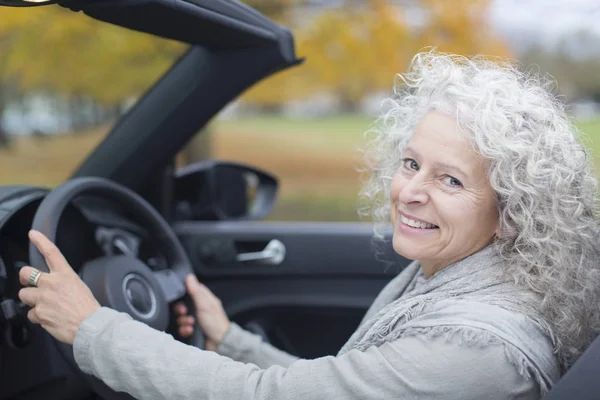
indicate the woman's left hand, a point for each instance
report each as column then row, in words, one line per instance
column 60, row 300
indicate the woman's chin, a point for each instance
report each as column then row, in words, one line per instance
column 407, row 248
column 410, row 242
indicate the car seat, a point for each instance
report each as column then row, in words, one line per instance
column 582, row 380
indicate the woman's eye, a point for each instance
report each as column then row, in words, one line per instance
column 411, row 164
column 451, row 181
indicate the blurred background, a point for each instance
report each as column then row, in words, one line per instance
column 66, row 78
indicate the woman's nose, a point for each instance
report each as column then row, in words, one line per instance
column 414, row 191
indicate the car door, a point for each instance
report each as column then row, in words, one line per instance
column 308, row 304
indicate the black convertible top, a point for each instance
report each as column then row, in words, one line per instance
column 212, row 24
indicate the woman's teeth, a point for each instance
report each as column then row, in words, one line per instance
column 416, row 224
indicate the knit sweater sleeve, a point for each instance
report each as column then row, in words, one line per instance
column 134, row 358
column 247, row 347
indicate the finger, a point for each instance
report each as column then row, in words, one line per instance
column 31, row 314
column 29, row 296
column 25, row 273
column 54, row 258
column 180, row 309
column 193, row 286
column 185, row 320
column 186, row 331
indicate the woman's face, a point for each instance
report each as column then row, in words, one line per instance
column 443, row 208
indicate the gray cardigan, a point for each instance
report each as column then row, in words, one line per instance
column 131, row 357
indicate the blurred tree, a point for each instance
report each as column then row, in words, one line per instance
column 12, row 29
column 279, row 88
column 351, row 51
column 77, row 55
column 356, row 49
column 54, row 50
column 460, row 26
column 574, row 63
column 277, row 10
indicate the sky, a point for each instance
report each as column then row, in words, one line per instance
column 544, row 21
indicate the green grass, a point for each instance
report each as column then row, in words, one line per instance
column 342, row 132
column 348, row 126
column 342, row 125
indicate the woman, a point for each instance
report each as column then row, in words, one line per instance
column 479, row 170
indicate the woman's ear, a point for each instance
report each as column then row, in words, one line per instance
column 498, row 233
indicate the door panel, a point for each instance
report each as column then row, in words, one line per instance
column 309, row 304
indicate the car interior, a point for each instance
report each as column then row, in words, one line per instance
column 129, row 219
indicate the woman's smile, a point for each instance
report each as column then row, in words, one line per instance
column 410, row 224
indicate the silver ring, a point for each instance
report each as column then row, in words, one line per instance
column 34, row 277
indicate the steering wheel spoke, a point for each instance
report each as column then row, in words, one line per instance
column 172, row 286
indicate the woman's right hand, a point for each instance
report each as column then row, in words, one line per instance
column 209, row 313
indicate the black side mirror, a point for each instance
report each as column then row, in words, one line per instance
column 217, row 190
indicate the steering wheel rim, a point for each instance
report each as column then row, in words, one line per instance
column 46, row 220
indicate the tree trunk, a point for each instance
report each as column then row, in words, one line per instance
column 4, row 139
column 348, row 106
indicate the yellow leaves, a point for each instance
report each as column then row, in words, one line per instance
column 351, row 51
column 461, row 27
column 357, row 49
column 16, row 18
column 277, row 10
column 51, row 48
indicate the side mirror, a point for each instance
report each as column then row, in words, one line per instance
column 218, row 190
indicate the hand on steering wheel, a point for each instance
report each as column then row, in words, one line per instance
column 121, row 282
column 209, row 313
column 59, row 299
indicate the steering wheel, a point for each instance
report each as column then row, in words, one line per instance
column 123, row 283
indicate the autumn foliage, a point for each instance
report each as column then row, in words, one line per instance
column 351, row 50
column 354, row 50
column 52, row 49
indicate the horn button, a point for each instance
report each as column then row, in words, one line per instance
column 128, row 285
column 139, row 295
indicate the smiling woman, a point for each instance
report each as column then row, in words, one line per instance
column 527, row 187
column 488, row 190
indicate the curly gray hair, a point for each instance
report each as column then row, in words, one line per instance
column 541, row 174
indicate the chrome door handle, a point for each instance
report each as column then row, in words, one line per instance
column 273, row 254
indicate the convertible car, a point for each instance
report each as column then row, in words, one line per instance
column 133, row 226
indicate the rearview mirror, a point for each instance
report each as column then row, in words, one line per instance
column 218, row 190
